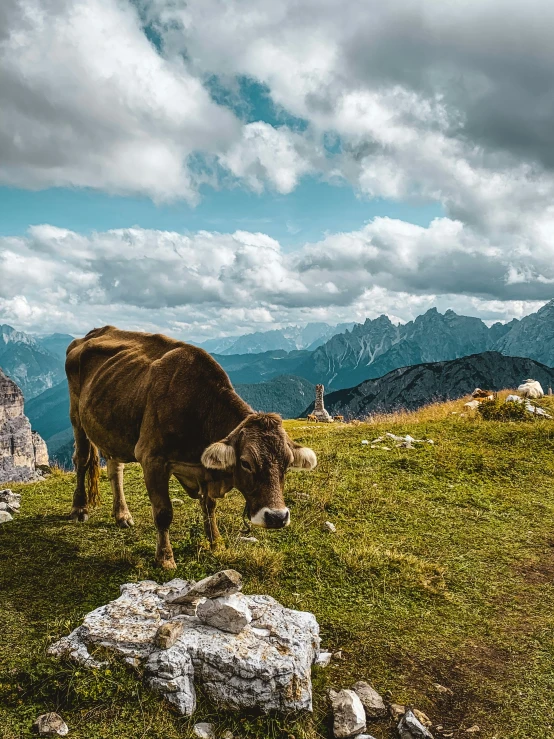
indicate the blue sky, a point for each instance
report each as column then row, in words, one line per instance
column 313, row 209
column 212, row 167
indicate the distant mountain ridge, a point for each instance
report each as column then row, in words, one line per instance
column 413, row 387
column 287, row 339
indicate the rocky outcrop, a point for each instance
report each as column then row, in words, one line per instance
column 266, row 665
column 21, row 450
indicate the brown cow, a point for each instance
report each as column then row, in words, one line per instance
column 170, row 406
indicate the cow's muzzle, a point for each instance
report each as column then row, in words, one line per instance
column 271, row 518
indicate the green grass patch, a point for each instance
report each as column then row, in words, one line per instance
column 441, row 571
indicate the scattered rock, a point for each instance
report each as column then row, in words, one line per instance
column 324, row 659
column 337, row 654
column 225, row 582
column 396, row 710
column 514, row 399
column 5, row 517
column 13, row 500
column 371, row 700
column 423, row 718
column 472, row 405
column 411, row 727
column 330, row 526
column 386, row 448
column 229, row 613
column 168, row 633
column 473, row 729
column 536, row 410
column 177, row 501
column 364, row 736
column 442, row 689
column 50, row 724
column 250, row 539
column 365, row 441
column 267, row 667
column 227, row 735
column 348, row 713
column 204, row 731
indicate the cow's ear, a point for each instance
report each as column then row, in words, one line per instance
column 219, row 456
column 303, row 457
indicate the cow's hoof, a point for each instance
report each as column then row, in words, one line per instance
column 166, row 564
column 79, row 514
column 125, row 523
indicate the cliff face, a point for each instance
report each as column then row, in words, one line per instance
column 21, row 449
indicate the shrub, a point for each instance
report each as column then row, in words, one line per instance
column 499, row 410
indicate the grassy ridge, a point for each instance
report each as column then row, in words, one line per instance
column 440, row 571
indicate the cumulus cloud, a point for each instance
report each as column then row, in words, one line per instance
column 212, row 283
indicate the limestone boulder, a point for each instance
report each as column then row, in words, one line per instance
column 266, row 666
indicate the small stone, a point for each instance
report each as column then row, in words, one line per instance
column 442, row 689
column 227, row 735
column 348, row 713
column 337, row 654
column 423, row 718
column 177, row 501
column 225, row 582
column 386, row 448
column 50, row 724
column 168, row 633
column 204, row 730
column 248, row 539
column 473, row 729
column 330, row 527
column 396, row 710
column 13, row 500
column 324, row 659
column 229, row 613
column 5, row 517
column 365, row 441
column 364, row 736
column 410, row 727
column 371, row 700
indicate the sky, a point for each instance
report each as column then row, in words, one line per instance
column 215, row 167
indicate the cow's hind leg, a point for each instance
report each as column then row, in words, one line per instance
column 81, row 456
column 121, row 512
column 156, row 477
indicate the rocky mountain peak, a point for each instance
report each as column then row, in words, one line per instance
column 22, row 451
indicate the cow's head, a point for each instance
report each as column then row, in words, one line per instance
column 258, row 453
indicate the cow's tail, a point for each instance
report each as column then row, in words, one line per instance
column 93, row 475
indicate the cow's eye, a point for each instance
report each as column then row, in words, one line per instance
column 245, row 464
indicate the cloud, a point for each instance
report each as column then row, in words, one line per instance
column 215, row 283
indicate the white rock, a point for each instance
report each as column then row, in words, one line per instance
column 227, row 735
column 13, row 500
column 330, row 526
column 204, row 730
column 372, row 702
column 324, row 659
column 364, row 736
column 513, row 399
column 177, row 501
column 248, row 539
column 5, row 517
column 348, row 714
column 224, row 582
column 266, row 667
column 229, row 613
column 537, row 411
column 50, row 724
column 365, row 441
column 472, row 405
column 410, row 728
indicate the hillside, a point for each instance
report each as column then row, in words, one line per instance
column 416, row 386
column 440, row 573
column 286, row 395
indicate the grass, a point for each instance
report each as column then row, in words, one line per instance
column 440, row 572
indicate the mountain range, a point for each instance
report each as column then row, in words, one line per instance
column 413, row 387
column 287, row 339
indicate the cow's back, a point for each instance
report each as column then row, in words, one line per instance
column 111, row 374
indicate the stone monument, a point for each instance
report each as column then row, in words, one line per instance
column 319, row 409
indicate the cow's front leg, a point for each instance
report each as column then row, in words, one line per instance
column 208, row 511
column 156, row 477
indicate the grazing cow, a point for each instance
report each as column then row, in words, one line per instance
column 340, row 419
column 312, row 418
column 531, row 389
column 170, row 406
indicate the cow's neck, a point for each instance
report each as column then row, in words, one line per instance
column 226, row 412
